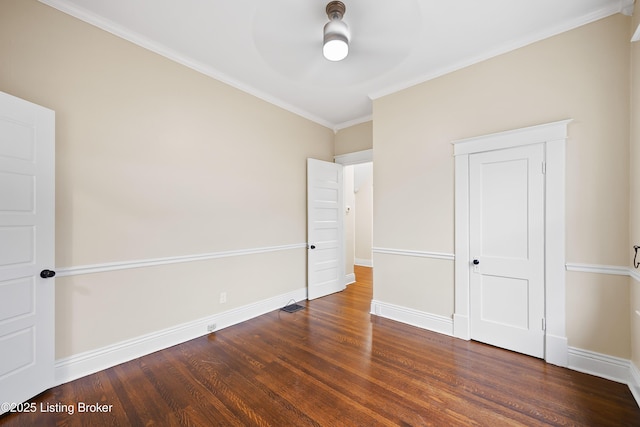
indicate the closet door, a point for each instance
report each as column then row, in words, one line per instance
column 506, row 241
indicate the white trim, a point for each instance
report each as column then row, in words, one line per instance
column 82, row 364
column 634, row 382
column 414, row 253
column 353, row 122
column 636, row 35
column 364, row 156
column 555, row 350
column 144, row 42
column 556, row 343
column 615, row 270
column 627, row 7
column 599, row 269
column 507, row 47
column 461, row 312
column 417, row 318
column 601, row 365
column 363, row 262
column 554, row 131
column 553, row 135
column 349, row 279
column 124, row 265
column 160, row 49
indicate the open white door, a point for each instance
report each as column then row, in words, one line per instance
column 27, row 149
column 506, row 240
column 325, row 254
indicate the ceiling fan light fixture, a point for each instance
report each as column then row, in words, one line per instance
column 336, row 33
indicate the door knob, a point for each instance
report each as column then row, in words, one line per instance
column 476, row 262
column 46, row 274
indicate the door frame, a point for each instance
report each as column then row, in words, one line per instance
column 553, row 136
column 355, row 158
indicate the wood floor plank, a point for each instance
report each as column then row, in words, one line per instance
column 334, row 364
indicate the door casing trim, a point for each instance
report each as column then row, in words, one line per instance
column 553, row 136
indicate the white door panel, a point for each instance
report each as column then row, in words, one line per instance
column 504, row 208
column 507, row 240
column 27, row 138
column 495, row 290
column 324, row 228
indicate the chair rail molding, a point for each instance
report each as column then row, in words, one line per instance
column 124, row 265
column 413, row 253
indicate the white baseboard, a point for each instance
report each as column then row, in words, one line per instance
column 420, row 319
column 558, row 353
column 556, row 350
column 363, row 262
column 461, row 327
column 349, row 279
column 601, row 365
column 634, row 383
column 80, row 365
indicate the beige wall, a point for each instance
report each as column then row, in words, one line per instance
column 582, row 74
column 634, row 212
column 364, row 213
column 354, row 138
column 156, row 160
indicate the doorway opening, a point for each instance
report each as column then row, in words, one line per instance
column 358, row 211
column 358, row 225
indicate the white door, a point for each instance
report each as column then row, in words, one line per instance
column 325, row 253
column 27, row 135
column 506, row 241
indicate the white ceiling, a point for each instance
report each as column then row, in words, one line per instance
column 273, row 49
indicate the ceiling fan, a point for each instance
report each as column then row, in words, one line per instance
column 335, row 46
column 292, row 37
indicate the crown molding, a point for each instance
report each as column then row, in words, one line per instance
column 359, row 120
column 145, row 43
column 627, row 7
column 620, row 7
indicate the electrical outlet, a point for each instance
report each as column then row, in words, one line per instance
column 211, row 327
column 223, row 297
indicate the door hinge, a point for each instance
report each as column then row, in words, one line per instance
column 544, row 325
column 544, row 168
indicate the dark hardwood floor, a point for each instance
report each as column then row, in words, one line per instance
column 333, row 364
